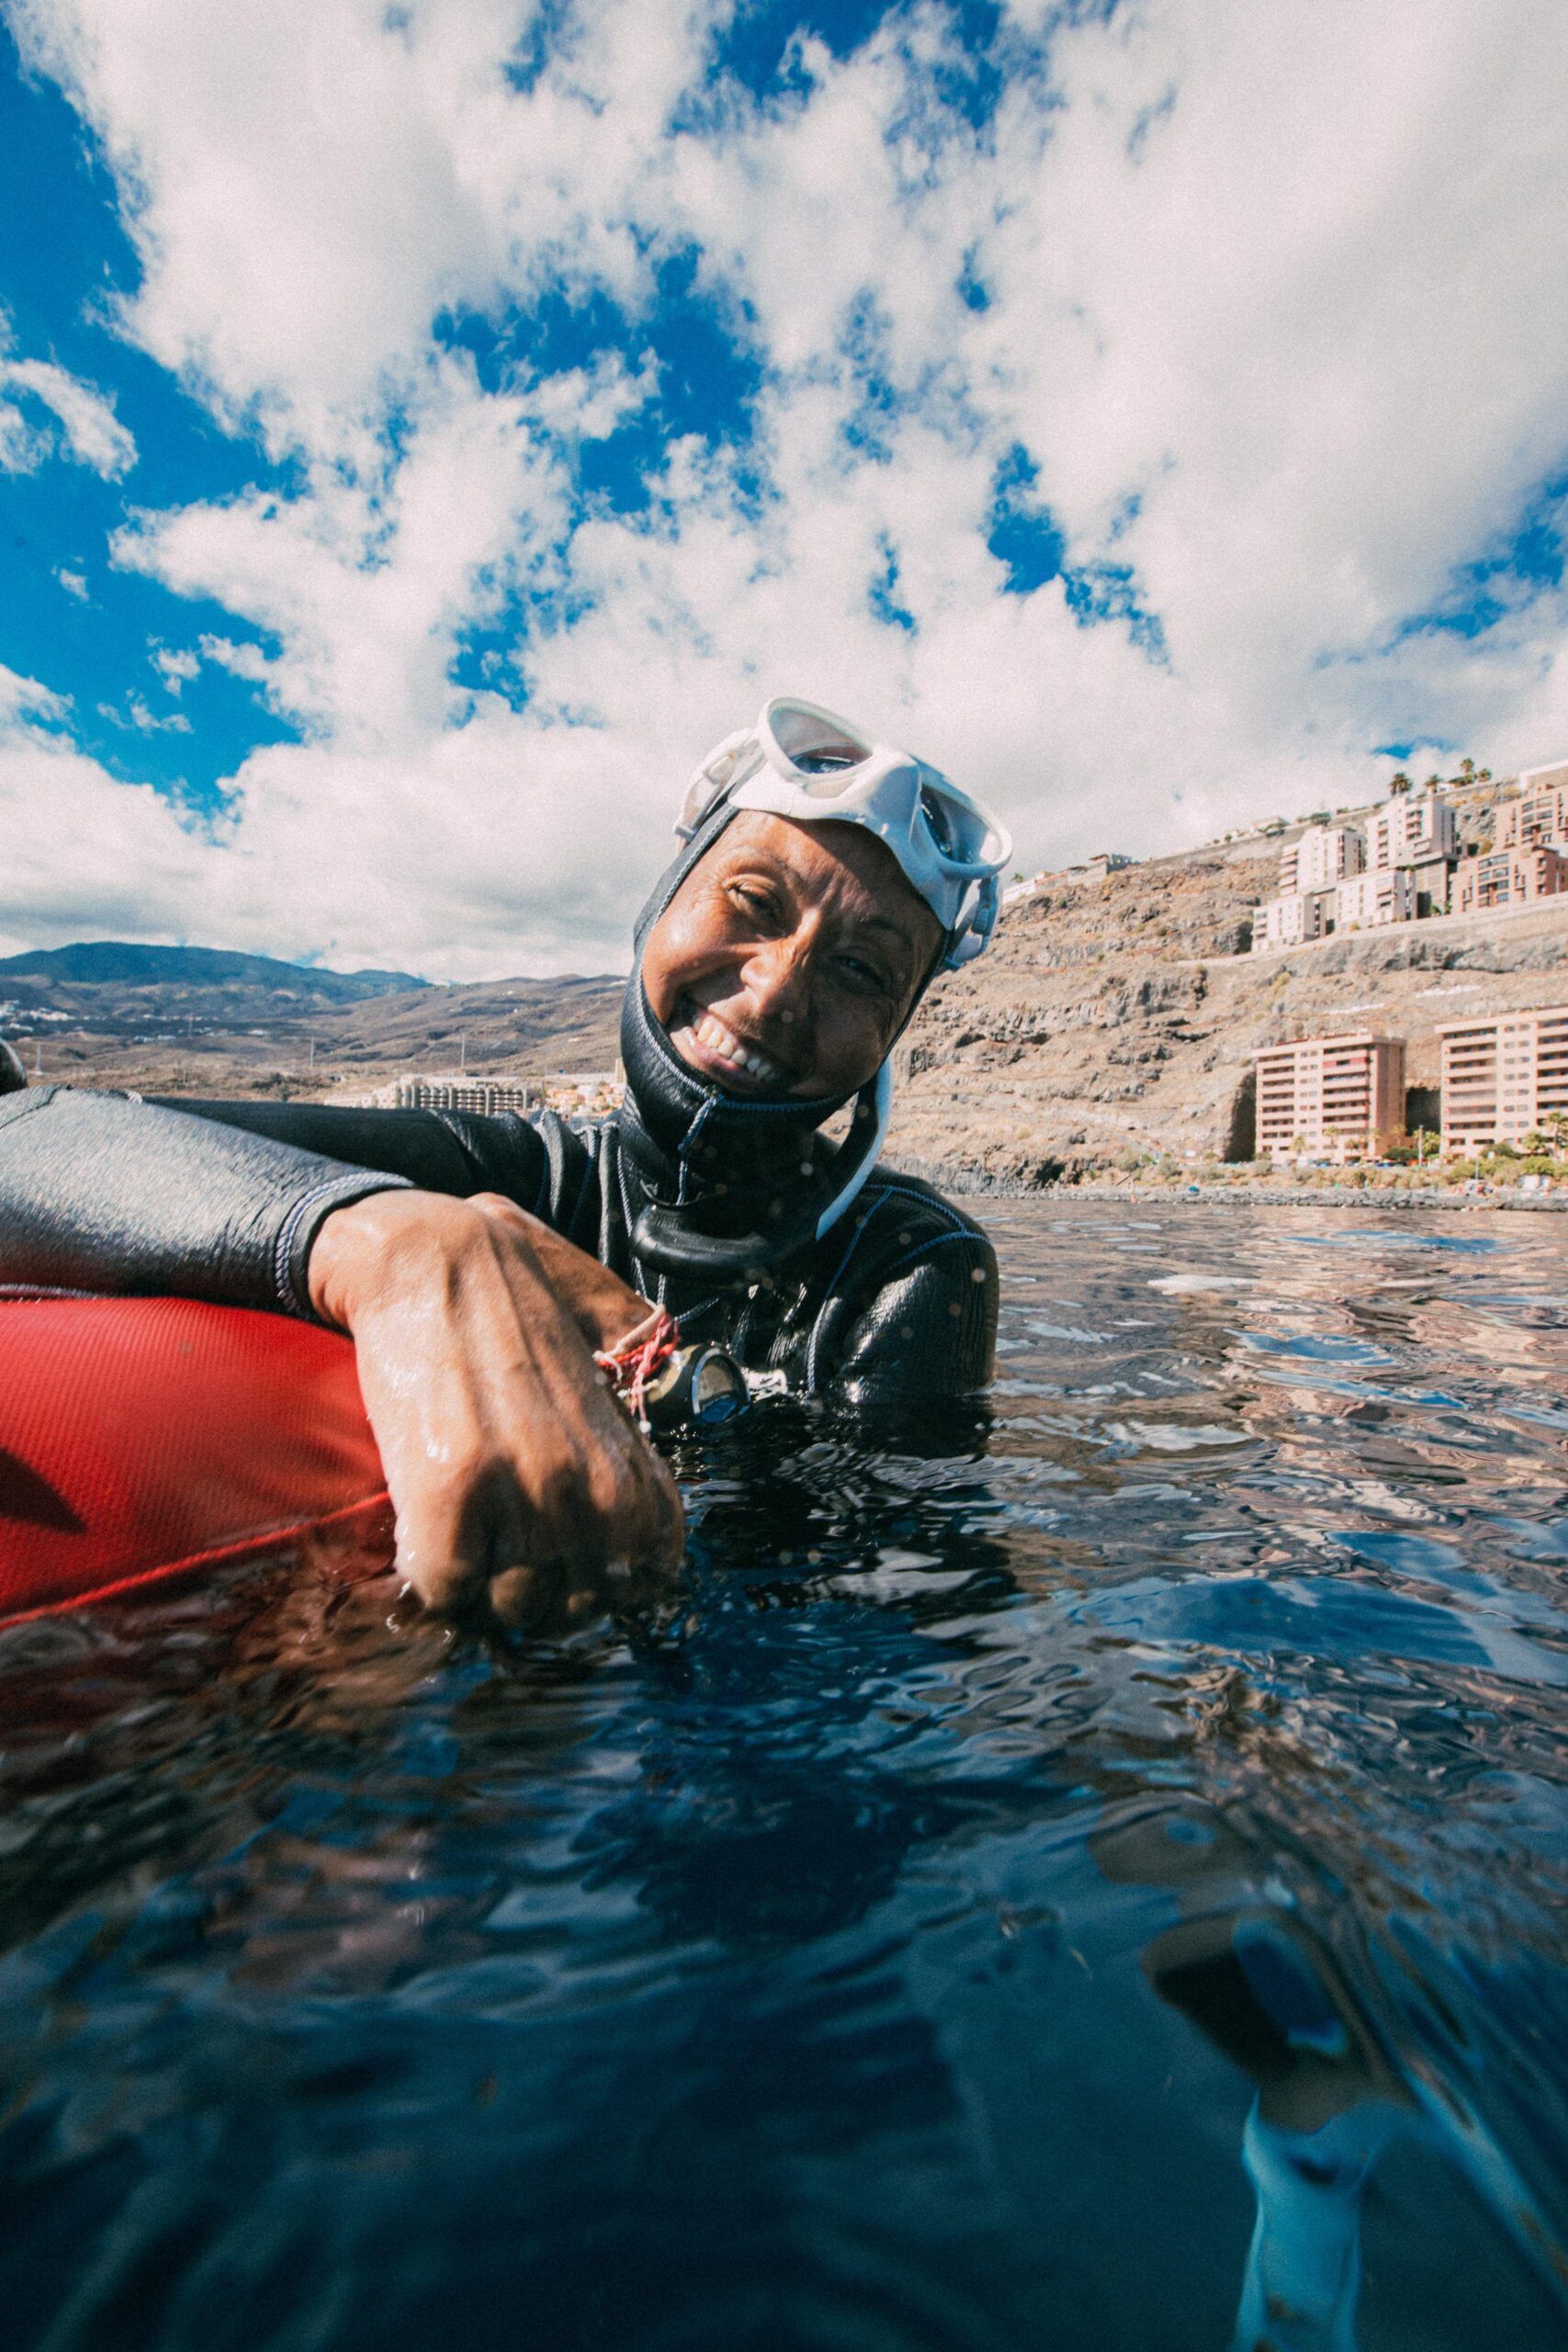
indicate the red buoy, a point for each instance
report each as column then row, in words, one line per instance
column 143, row 1439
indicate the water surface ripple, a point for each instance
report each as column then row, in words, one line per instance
column 1088, row 1873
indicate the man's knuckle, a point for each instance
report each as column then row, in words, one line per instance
column 558, row 1488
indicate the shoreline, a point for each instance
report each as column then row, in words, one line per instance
column 972, row 1182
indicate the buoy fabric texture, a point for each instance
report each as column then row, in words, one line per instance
column 143, row 1439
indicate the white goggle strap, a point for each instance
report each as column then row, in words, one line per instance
column 882, row 1102
column 739, row 756
column 971, row 935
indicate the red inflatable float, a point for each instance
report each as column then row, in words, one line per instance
column 143, row 1439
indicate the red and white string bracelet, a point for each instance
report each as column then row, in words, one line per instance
column 633, row 1360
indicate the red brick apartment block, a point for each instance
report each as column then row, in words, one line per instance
column 1504, row 1078
column 1330, row 1098
column 1509, row 877
column 1539, row 816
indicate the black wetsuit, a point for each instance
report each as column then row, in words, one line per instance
column 223, row 1200
column 102, row 1192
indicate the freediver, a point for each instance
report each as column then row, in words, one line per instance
column 489, row 1267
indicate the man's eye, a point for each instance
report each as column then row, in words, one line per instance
column 863, row 976
column 755, row 902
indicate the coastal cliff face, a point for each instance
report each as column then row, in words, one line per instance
column 1115, row 1019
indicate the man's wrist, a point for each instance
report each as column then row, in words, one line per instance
column 352, row 1254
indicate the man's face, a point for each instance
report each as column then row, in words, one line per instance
column 788, row 957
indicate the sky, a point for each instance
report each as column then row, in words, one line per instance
column 427, row 427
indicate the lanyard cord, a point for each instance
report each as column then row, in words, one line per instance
column 633, row 1360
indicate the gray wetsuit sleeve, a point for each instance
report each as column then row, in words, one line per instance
column 104, row 1193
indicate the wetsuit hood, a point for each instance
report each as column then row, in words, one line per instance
column 734, row 1164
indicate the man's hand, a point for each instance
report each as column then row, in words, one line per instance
column 521, row 1488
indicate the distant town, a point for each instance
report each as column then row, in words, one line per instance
column 1414, row 858
column 1464, row 846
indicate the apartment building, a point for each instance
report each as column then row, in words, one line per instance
column 1334, row 878
column 1285, row 922
column 485, row 1095
column 1413, row 829
column 1320, row 859
column 1388, row 895
column 1509, row 878
column 1330, row 1098
column 1503, row 1077
column 1538, row 817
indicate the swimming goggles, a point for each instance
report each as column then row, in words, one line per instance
column 799, row 761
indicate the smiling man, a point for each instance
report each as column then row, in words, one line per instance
column 480, row 1264
column 789, row 958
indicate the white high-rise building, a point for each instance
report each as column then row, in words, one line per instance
column 1286, row 922
column 1503, row 1076
column 1324, row 856
column 1538, row 817
column 1369, row 899
column 1412, row 829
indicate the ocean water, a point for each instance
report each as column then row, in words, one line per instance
column 1088, row 1873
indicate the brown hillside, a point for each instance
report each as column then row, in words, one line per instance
column 163, row 1042
column 1116, row 1017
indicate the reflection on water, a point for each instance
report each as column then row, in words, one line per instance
column 1087, row 1874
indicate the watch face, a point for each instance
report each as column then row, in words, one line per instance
column 718, row 1389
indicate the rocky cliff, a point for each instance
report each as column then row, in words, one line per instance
column 1118, row 1018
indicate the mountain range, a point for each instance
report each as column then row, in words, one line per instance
column 111, row 963
column 206, row 1020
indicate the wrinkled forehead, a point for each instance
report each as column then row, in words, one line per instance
column 833, row 862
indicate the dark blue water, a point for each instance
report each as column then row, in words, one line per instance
column 1088, row 1876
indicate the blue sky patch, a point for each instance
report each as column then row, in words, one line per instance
column 1024, row 534
column 1026, row 537
column 708, row 370
column 759, row 48
column 884, row 591
column 69, row 617
column 547, row 40
column 1519, row 565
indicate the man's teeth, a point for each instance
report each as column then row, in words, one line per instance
column 712, row 1033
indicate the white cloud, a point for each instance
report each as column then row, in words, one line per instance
column 85, row 857
column 89, row 430
column 131, row 872
column 247, row 662
column 23, row 446
column 1271, row 297
column 141, row 719
column 74, row 584
column 26, row 704
column 367, row 584
column 176, row 666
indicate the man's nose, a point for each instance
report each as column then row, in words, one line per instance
column 778, row 975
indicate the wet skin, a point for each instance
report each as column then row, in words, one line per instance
column 523, row 1493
